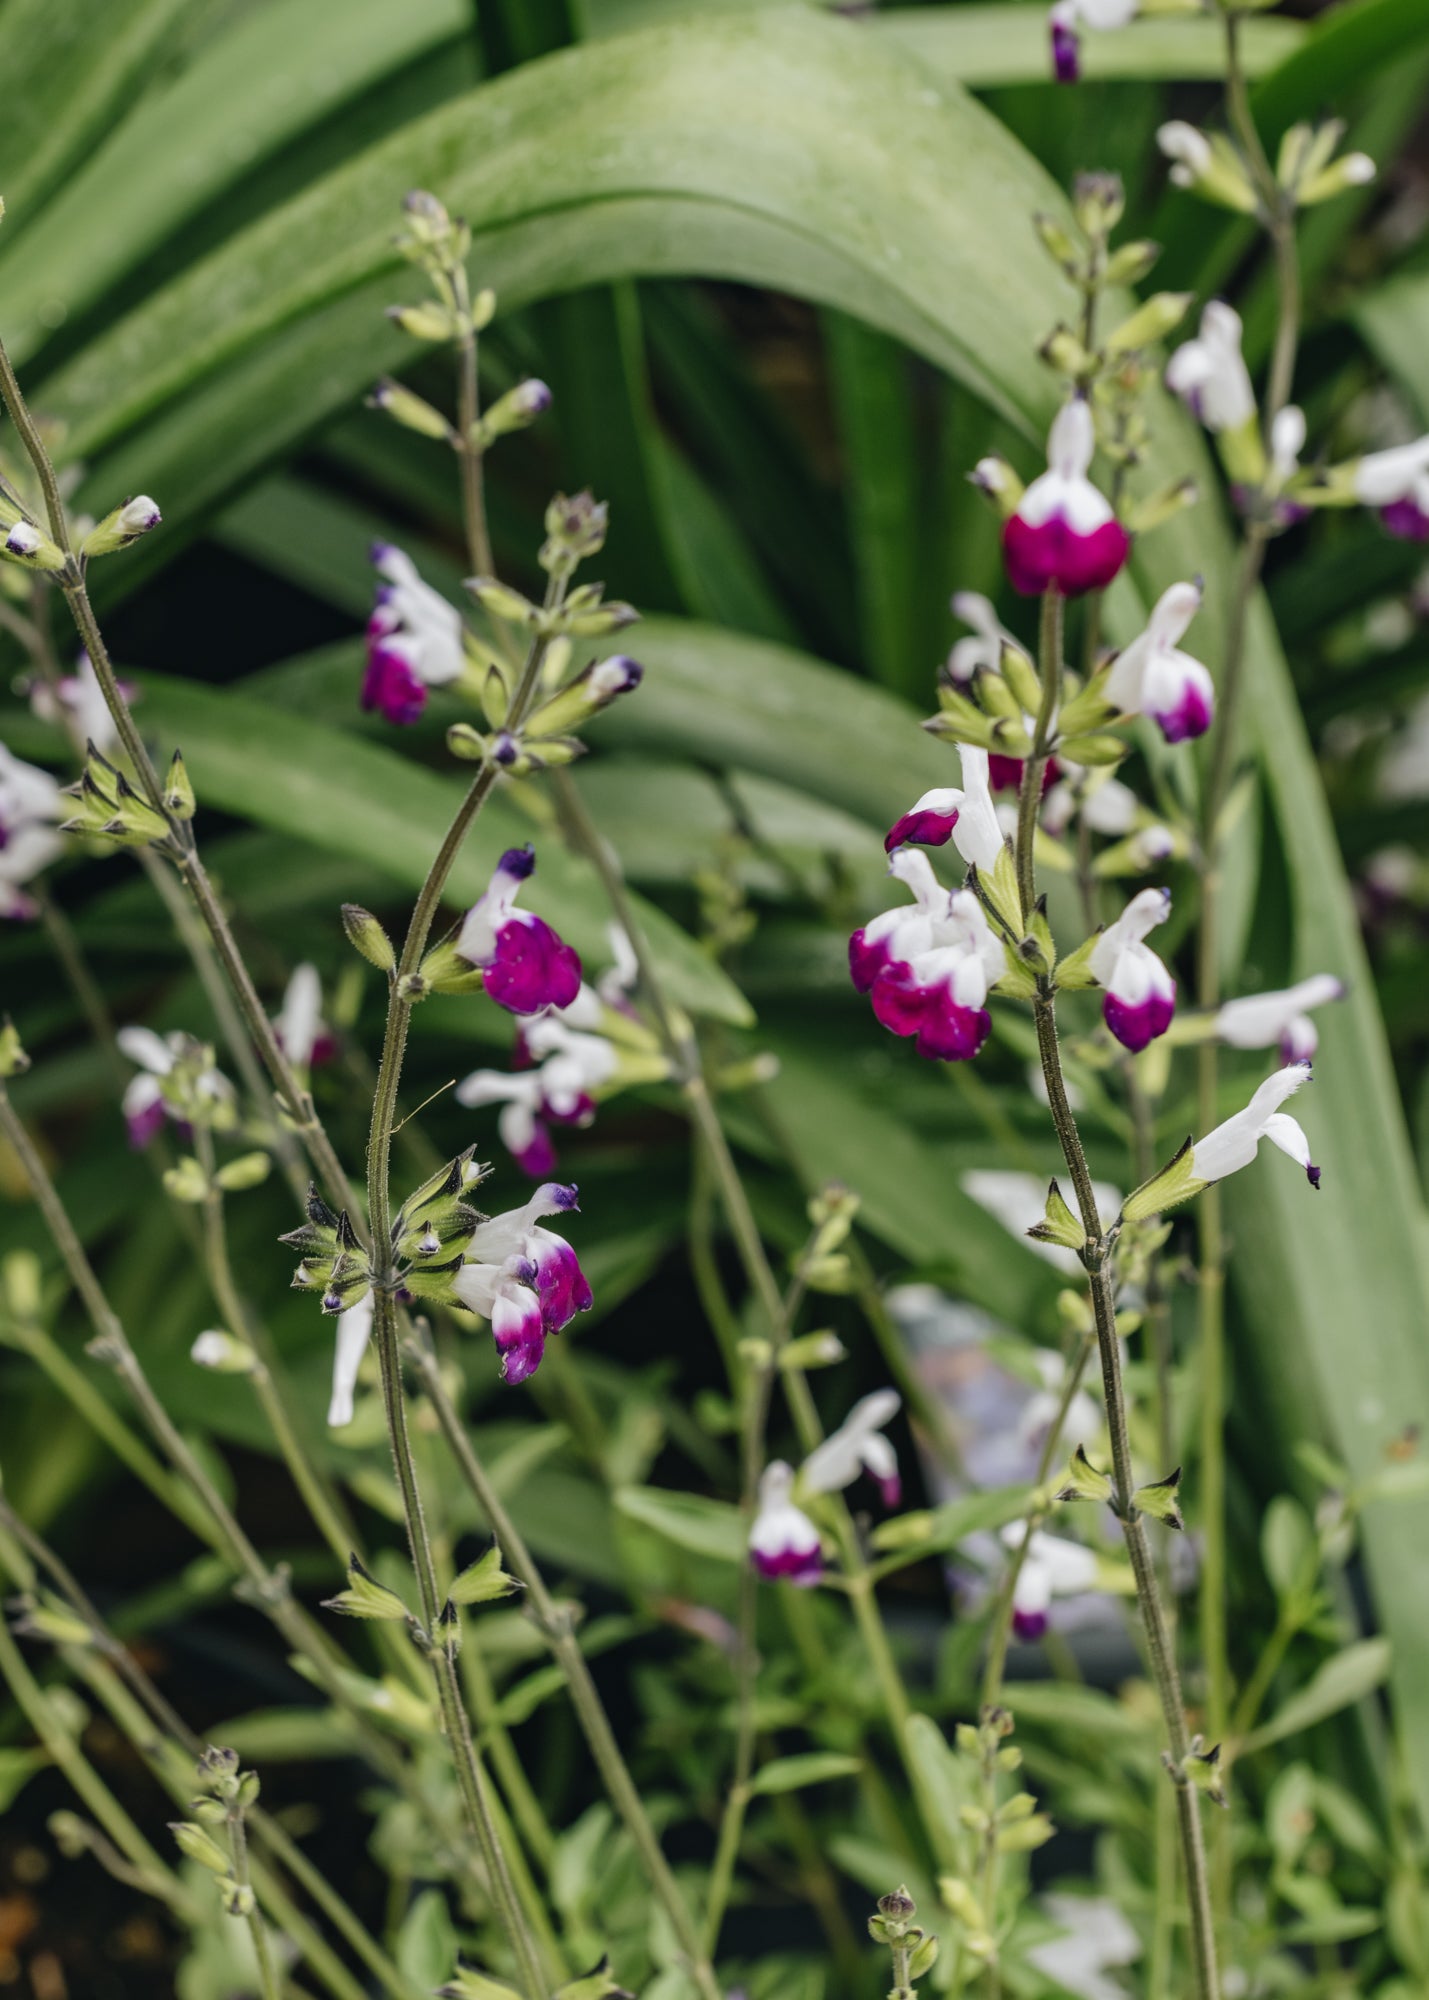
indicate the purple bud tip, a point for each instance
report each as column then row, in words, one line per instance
column 519, row 861
column 535, row 397
column 332, row 1302
column 379, row 551
column 566, row 1197
column 506, row 750
column 1312, row 1174
column 631, row 671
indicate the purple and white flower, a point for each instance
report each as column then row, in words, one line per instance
column 1234, row 1144
column 414, row 639
column 1068, row 15
column 568, row 1068
column 1140, row 993
column 1209, row 373
column 354, row 1330
column 1064, row 535
column 929, row 821
column 145, row 1103
column 783, row 1541
column 784, row 1544
column 526, row 1280
column 967, row 816
column 1052, row 1567
column 1396, row 483
column 525, row 965
column 76, row 701
column 1153, row 677
column 1280, row 1020
column 928, row 969
column 302, row 1034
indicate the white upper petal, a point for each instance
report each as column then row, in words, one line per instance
column 354, row 1330
column 1072, row 439
column 977, row 835
column 1259, row 1020
column 1383, row 477
column 143, row 1046
column 301, row 1017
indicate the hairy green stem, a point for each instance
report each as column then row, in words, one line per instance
column 556, row 1626
column 1097, row 1257
column 253, row 1917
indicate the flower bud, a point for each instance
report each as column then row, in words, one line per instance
column 125, row 525
column 1057, row 243
column 1207, row 166
column 249, row 1170
column 27, row 544
column 515, row 411
column 199, row 1845
column 502, row 602
column 367, row 936
column 13, row 1060
column 1098, row 202
column 592, row 690
column 576, row 528
column 179, row 797
column 1161, row 314
column 186, row 1181
column 222, row 1353
column 996, row 478
column 1161, row 1499
column 408, row 410
column 1131, row 263
column 1351, row 170
column 428, row 321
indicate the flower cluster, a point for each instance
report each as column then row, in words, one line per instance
column 928, row 969
column 178, row 1082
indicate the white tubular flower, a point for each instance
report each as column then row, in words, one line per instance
column 354, row 1330
column 784, row 1544
column 1396, row 483
column 28, row 796
column 858, row 1445
column 1051, row 1568
column 984, row 648
column 414, row 639
column 1234, row 1145
column 1063, row 533
column 560, row 1089
column 1209, row 373
column 1152, row 676
column 977, row 835
column 1287, row 441
column 1140, row 992
column 1270, row 1020
column 302, row 1033
column 1188, row 149
column 1096, row 1940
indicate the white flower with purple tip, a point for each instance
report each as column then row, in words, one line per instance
column 568, row 1068
column 1209, row 373
column 1280, row 1020
column 928, row 969
column 414, row 639
column 1052, row 1567
column 1234, row 1144
column 1396, row 483
column 1152, row 676
column 784, row 1544
column 1064, row 535
column 525, row 965
column 1068, row 15
column 302, row 1034
column 1140, row 993
column 354, row 1331
column 526, row 1280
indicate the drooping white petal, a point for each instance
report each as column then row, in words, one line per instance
column 1382, row 477
column 141, row 1045
column 301, row 1015
column 354, row 1330
column 1261, row 1019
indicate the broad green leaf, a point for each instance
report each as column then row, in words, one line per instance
column 794, row 1774
column 705, row 1527
column 1343, row 1680
column 231, row 108
column 426, row 1943
column 354, row 797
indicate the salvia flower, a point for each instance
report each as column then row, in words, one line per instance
column 568, row 1068
column 1140, row 994
column 1209, row 373
column 858, row 1445
column 177, row 1080
column 1152, row 676
column 30, row 803
column 1052, row 1567
column 1068, row 15
column 783, row 1541
column 526, row 1280
column 354, row 1331
column 77, row 700
column 414, row 639
column 525, row 966
column 1396, row 483
column 784, row 1544
column 1235, row 1144
column 1064, row 535
column 928, row 969
column 982, row 649
column 302, row 1034
column 1280, row 1020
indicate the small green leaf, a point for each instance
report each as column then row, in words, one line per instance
column 482, row 1582
column 705, row 1527
column 1343, row 1680
column 365, row 1597
column 813, row 1767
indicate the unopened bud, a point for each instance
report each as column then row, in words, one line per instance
column 1098, row 202
column 125, row 525
column 515, row 411
column 27, row 544
column 220, row 1351
column 367, row 936
column 13, row 1060
column 409, row 410
column 428, row 321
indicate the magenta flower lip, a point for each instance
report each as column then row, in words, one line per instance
column 1053, row 554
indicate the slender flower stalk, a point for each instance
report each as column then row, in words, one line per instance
column 296, row 1101
column 1097, row 1257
